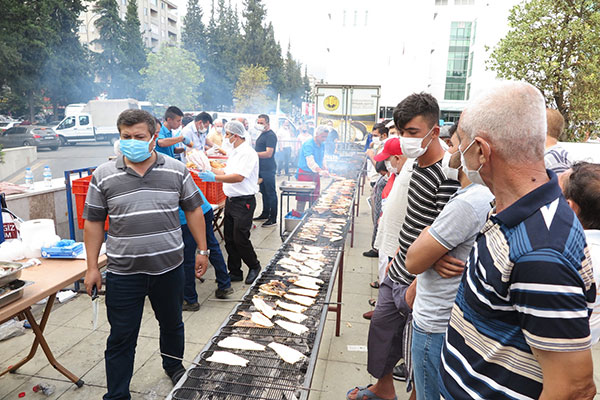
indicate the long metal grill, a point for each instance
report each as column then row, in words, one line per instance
column 266, row 375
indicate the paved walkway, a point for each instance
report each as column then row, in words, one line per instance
column 340, row 366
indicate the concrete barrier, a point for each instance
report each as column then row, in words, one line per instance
column 17, row 158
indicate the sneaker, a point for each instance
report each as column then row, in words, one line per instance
column 399, row 373
column 176, row 375
column 223, row 293
column 190, row 306
column 261, row 216
column 371, row 253
column 269, row 222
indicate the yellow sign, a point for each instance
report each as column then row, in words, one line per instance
column 331, row 103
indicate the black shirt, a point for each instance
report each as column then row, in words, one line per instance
column 266, row 139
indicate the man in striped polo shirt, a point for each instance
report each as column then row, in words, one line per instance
column 416, row 118
column 141, row 192
column 519, row 327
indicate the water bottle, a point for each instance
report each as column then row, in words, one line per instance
column 28, row 178
column 47, row 176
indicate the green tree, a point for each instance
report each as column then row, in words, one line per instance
column 551, row 44
column 193, row 34
column 293, row 87
column 134, row 54
column 251, row 90
column 172, row 77
column 108, row 62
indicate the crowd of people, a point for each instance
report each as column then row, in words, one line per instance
column 486, row 234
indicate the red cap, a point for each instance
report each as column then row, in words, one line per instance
column 390, row 148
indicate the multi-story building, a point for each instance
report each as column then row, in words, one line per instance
column 159, row 23
column 407, row 46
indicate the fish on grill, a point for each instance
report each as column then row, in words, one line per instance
column 292, row 316
column 247, row 323
column 305, row 301
column 304, row 292
column 286, row 353
column 293, row 327
column 238, row 343
column 306, row 284
column 273, row 288
column 263, row 307
column 225, row 357
column 297, row 256
column 260, row 319
column 290, row 307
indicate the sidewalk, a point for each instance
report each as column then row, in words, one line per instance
column 80, row 349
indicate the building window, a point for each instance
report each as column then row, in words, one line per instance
column 162, row 5
column 366, row 18
column 344, row 18
column 146, row 11
column 464, row 2
column 470, row 64
column 154, row 2
column 458, row 61
column 441, row 2
column 355, row 17
column 124, row 2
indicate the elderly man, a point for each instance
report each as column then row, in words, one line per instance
column 240, row 184
column 520, row 323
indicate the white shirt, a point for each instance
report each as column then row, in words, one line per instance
column 392, row 218
column 592, row 237
column 243, row 160
column 190, row 132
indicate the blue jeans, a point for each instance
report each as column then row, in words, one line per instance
column 426, row 354
column 269, row 195
column 189, row 259
column 125, row 296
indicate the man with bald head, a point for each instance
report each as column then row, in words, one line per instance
column 520, row 323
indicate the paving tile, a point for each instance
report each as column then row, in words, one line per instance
column 342, row 376
column 27, row 386
column 353, row 335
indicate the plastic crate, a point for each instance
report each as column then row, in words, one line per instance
column 80, row 188
column 213, row 191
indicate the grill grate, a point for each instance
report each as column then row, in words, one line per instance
column 267, row 376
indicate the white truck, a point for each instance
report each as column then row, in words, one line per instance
column 95, row 121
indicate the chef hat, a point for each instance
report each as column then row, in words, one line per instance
column 236, row 128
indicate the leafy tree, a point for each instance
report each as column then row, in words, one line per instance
column 193, row 34
column 134, row 54
column 293, row 88
column 67, row 76
column 108, row 62
column 251, row 90
column 552, row 44
column 253, row 50
column 172, row 77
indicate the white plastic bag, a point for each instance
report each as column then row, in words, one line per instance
column 199, row 159
column 11, row 329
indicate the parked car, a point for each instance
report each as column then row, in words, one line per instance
column 29, row 135
column 7, row 124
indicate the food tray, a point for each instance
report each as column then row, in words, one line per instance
column 297, row 186
column 15, row 292
column 11, row 276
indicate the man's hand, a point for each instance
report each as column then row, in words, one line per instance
column 207, row 176
column 411, row 293
column 201, row 265
column 323, row 172
column 449, row 267
column 92, row 277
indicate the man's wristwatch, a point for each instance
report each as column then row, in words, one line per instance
column 203, row 252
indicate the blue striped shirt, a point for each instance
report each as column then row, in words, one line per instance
column 528, row 283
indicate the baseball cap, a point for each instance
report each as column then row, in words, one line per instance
column 391, row 148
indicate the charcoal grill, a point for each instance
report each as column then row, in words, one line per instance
column 267, row 376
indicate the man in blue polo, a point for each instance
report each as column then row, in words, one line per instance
column 166, row 142
column 311, row 164
column 520, row 323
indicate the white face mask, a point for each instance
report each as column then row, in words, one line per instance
column 219, row 129
column 411, row 147
column 390, row 168
column 451, row 173
column 376, row 140
column 259, row 127
column 473, row 176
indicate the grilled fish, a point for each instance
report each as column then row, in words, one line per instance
column 260, row 319
column 290, row 307
column 225, row 357
column 305, row 301
column 288, row 354
column 263, row 307
column 235, row 342
column 298, row 329
column 292, row 316
column 304, row 292
column 306, row 284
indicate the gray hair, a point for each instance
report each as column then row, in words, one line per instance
column 512, row 117
column 321, row 129
column 236, row 128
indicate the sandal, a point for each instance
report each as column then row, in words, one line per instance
column 365, row 393
column 372, row 302
column 374, row 284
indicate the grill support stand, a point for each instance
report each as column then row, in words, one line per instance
column 338, row 307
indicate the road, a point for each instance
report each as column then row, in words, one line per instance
column 81, row 155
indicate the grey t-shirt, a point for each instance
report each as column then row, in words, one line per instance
column 455, row 228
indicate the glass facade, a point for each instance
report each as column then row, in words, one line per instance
column 458, row 61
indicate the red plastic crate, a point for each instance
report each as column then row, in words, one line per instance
column 213, row 191
column 79, row 188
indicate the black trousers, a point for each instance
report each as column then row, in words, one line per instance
column 269, row 195
column 237, row 224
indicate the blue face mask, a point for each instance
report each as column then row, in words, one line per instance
column 136, row 151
